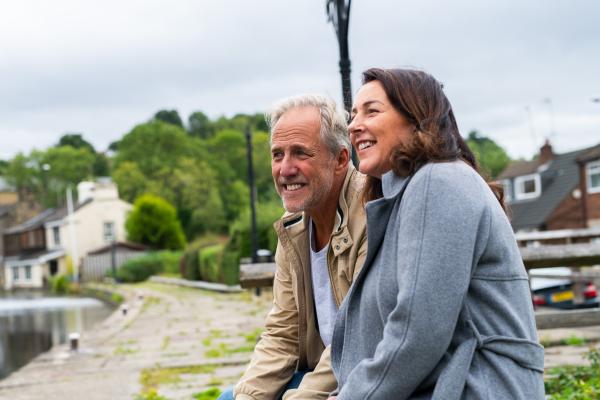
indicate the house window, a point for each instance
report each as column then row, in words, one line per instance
column 28, row 272
column 56, row 235
column 109, row 231
column 527, row 187
column 507, row 189
column 593, row 177
column 15, row 271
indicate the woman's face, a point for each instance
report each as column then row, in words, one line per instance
column 376, row 129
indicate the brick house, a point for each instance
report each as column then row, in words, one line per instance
column 554, row 191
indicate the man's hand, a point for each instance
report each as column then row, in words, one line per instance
column 332, row 398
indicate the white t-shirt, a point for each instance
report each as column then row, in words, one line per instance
column 322, row 292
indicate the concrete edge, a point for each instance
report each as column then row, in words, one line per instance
column 215, row 287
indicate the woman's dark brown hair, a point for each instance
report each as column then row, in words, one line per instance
column 420, row 98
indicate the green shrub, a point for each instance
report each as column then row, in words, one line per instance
column 575, row 382
column 240, row 233
column 210, row 261
column 230, row 265
column 141, row 268
column 153, row 221
column 190, row 262
column 59, row 284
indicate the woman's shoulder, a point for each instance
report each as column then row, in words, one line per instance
column 451, row 173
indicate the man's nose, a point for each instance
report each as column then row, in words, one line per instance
column 288, row 166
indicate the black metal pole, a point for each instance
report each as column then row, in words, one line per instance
column 252, row 199
column 339, row 15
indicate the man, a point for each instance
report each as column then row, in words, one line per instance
column 322, row 245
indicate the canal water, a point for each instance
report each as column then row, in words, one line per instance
column 32, row 322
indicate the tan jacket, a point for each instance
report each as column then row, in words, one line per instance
column 291, row 339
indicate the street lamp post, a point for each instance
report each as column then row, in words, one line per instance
column 254, row 235
column 338, row 12
column 252, row 194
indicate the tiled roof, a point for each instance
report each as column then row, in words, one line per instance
column 558, row 181
column 49, row 215
column 519, row 168
column 32, row 223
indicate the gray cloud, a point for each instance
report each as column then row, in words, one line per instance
column 101, row 67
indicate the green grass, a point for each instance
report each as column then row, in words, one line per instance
column 223, row 350
column 210, row 394
column 152, row 378
column 124, row 350
column 252, row 337
column 152, row 395
column 574, row 341
column 165, row 343
column 575, row 382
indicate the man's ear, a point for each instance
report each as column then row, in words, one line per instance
column 342, row 160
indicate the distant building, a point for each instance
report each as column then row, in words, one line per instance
column 38, row 248
column 554, row 191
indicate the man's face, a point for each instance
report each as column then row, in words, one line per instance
column 301, row 164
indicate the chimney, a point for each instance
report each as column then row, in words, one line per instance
column 546, row 153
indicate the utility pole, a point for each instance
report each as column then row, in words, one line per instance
column 72, row 235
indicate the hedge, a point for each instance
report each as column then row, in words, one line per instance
column 141, row 268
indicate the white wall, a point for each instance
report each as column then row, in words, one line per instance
column 36, row 281
column 89, row 226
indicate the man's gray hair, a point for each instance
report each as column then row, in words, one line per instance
column 334, row 126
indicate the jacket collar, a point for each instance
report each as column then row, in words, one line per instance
column 392, row 184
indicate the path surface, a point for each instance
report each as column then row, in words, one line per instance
column 179, row 342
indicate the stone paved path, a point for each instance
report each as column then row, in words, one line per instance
column 178, row 341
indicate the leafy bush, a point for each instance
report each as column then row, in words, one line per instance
column 59, row 284
column 230, row 265
column 576, row 382
column 240, row 233
column 153, row 221
column 210, row 262
column 141, row 268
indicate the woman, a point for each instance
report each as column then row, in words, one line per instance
column 442, row 308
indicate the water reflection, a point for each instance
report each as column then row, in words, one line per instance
column 32, row 322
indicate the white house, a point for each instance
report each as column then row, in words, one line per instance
column 40, row 247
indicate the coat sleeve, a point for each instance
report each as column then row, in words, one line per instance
column 316, row 384
column 437, row 226
column 276, row 353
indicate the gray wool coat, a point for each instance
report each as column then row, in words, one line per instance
column 442, row 307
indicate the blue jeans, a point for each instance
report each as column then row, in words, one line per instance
column 292, row 384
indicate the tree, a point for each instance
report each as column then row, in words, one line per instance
column 76, row 141
column 261, row 149
column 170, row 117
column 131, row 182
column 69, row 165
column 3, row 166
column 155, row 145
column 199, row 202
column 491, row 157
column 199, row 125
column 101, row 165
column 153, row 221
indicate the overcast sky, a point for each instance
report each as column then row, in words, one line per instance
column 100, row 67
